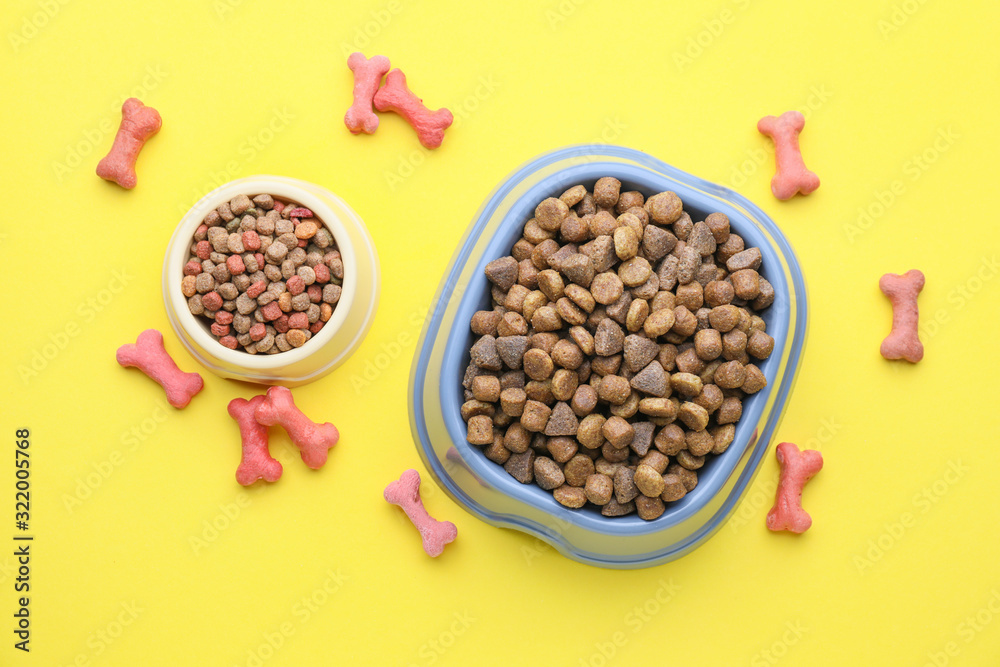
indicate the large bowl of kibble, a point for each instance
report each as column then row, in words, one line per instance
column 271, row 280
column 609, row 356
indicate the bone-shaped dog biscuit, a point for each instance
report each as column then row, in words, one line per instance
column 396, row 96
column 149, row 356
column 903, row 341
column 796, row 469
column 791, row 175
column 313, row 440
column 139, row 123
column 434, row 534
column 368, row 73
column 256, row 461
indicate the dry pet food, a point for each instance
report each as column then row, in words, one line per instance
column 149, row 356
column 791, row 175
column 797, row 468
column 619, row 345
column 434, row 534
column 139, row 123
column 313, row 440
column 256, row 461
column 368, row 73
column 264, row 273
column 396, row 96
column 903, row 341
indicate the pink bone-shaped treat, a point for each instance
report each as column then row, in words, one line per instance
column 139, row 123
column 791, row 175
column 797, row 468
column 256, row 462
column 434, row 534
column 368, row 73
column 396, row 96
column 903, row 342
column 149, row 356
column 313, row 440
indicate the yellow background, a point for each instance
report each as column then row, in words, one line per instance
column 901, row 99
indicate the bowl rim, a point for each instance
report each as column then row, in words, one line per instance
column 756, row 444
column 177, row 252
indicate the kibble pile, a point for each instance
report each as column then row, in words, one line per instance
column 264, row 273
column 618, row 350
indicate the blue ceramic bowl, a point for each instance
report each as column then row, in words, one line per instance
column 436, row 394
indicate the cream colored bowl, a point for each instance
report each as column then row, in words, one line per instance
column 335, row 342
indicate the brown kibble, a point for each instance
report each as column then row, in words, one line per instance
column 685, row 322
column 718, row 293
column 606, row 288
column 730, row 247
column 297, row 337
column 511, row 349
column 664, row 208
column 724, row 318
column 723, row 437
column 618, row 432
column 550, row 282
column 754, row 381
column 638, row 311
column 688, row 478
column 484, row 322
column 562, row 449
column 689, row 460
column 693, row 415
column 624, row 485
column 550, row 213
column 598, row 488
column 517, row 438
column 564, row 384
column 635, row 271
column 570, row 496
column 658, row 407
column 573, row 196
column 710, row 398
column 651, row 380
column 708, row 344
column 686, row 384
column 649, row 508
column 486, row 388
column 614, row 389
column 699, row 443
column 614, row 508
column 484, row 351
column 745, row 259
column 502, row 272
column 578, row 268
column 584, row 400
column 719, row 224
column 535, row 415
column 746, row 284
column 657, row 242
column 760, row 345
column 730, row 411
column 609, row 338
column 673, row 488
column 690, row 296
column 659, row 322
column 734, row 345
column 648, row 481
column 590, row 433
column 562, row 421
column 521, row 467
column 512, row 401
column 578, row 469
column 538, row 365
column 613, row 454
column 606, row 191
column 682, row 226
column 766, row 296
column 626, row 243
column 701, row 239
column 628, row 408
column 730, row 375
column 670, row 439
column 548, row 474
column 480, row 428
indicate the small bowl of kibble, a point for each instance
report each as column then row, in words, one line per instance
column 609, row 356
column 271, row 280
